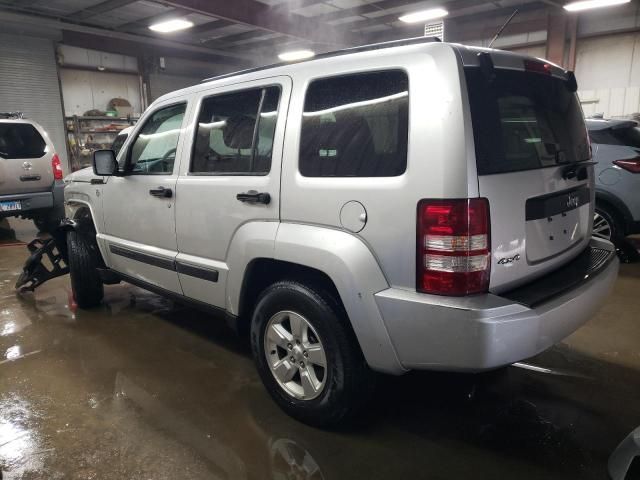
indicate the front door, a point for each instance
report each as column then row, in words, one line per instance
column 139, row 215
column 230, row 190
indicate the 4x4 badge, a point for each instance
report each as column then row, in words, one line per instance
column 506, row 260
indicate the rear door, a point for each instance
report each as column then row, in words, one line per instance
column 231, row 185
column 25, row 162
column 531, row 147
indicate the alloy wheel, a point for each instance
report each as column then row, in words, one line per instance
column 601, row 227
column 295, row 355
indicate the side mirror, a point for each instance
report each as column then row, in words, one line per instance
column 104, row 163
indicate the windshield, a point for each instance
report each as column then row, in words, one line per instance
column 524, row 121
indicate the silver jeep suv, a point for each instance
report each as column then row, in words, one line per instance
column 31, row 183
column 411, row 205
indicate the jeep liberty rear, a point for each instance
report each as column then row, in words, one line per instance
column 410, row 205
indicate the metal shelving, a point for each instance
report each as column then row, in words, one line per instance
column 85, row 134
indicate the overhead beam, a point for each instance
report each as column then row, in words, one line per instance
column 110, row 35
column 259, row 15
column 100, row 8
column 126, row 47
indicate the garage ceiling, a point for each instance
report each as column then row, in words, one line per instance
column 242, row 32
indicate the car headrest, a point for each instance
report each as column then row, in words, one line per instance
column 238, row 132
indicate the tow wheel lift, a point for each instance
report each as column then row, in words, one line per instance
column 47, row 260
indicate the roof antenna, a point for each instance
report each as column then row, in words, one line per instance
column 503, row 27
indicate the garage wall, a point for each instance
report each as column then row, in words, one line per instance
column 608, row 73
column 85, row 90
column 161, row 83
column 29, row 83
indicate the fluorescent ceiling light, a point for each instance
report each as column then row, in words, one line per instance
column 589, row 4
column 295, row 55
column 424, row 15
column 171, row 25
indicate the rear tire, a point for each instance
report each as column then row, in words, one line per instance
column 606, row 224
column 335, row 391
column 84, row 261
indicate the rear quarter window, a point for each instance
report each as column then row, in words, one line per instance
column 356, row 126
column 21, row 140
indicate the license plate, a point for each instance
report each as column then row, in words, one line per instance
column 10, row 206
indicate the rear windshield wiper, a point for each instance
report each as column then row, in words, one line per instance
column 576, row 169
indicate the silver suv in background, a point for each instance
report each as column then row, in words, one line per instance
column 409, row 205
column 31, row 174
column 616, row 149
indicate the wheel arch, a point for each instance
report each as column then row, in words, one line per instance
column 80, row 219
column 338, row 262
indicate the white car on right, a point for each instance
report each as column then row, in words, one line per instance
column 616, row 149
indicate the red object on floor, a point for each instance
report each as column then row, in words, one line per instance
column 71, row 299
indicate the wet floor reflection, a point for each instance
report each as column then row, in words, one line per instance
column 144, row 388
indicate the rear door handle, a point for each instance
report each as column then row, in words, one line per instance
column 161, row 192
column 253, row 196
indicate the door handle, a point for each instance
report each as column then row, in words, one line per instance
column 253, row 196
column 161, row 192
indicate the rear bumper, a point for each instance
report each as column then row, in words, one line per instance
column 29, row 202
column 487, row 331
column 32, row 202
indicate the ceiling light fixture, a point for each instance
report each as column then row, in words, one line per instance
column 295, row 55
column 424, row 15
column 589, row 4
column 171, row 25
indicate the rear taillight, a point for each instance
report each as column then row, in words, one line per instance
column 56, row 166
column 630, row 165
column 453, row 246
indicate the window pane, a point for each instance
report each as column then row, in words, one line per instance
column 226, row 127
column 154, row 150
column 629, row 136
column 523, row 121
column 356, row 126
column 20, row 140
column 118, row 143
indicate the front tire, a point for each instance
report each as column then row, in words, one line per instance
column 86, row 284
column 306, row 354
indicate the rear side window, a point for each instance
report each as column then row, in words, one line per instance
column 356, row 126
column 21, row 140
column 627, row 136
column 524, row 121
column 235, row 133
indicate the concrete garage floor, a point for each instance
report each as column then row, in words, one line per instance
column 143, row 388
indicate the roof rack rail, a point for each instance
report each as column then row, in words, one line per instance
column 335, row 53
column 12, row 115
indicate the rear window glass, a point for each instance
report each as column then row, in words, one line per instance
column 21, row 140
column 625, row 136
column 356, row 126
column 524, row 121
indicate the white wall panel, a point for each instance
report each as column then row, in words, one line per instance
column 608, row 74
column 85, row 90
